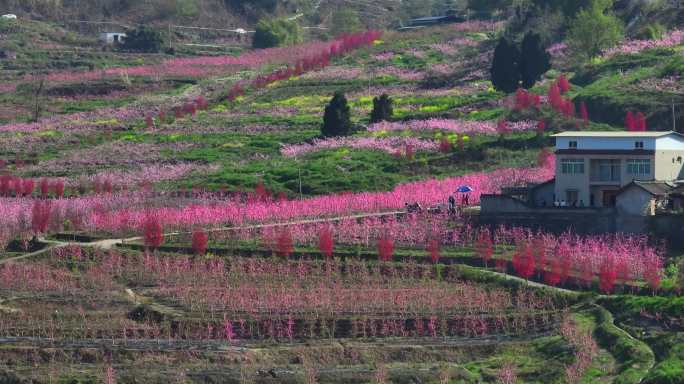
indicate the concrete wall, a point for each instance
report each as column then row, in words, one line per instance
column 586, row 187
column 632, row 224
column 668, row 227
column 582, row 221
column 543, row 195
column 564, row 182
column 669, row 165
column 635, row 201
column 495, row 204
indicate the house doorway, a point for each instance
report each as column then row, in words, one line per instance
column 609, row 198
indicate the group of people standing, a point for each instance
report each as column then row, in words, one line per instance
column 465, row 201
column 453, row 207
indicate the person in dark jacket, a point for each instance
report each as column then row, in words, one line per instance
column 452, row 204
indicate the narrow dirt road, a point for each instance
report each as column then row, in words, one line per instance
column 107, row 244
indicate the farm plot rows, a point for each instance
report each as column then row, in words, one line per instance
column 145, row 305
column 244, row 299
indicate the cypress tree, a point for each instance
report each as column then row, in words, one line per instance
column 382, row 109
column 505, row 71
column 534, row 60
column 336, row 119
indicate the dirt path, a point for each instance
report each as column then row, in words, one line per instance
column 29, row 255
column 250, row 345
column 138, row 299
column 287, row 223
column 531, row 283
column 107, row 244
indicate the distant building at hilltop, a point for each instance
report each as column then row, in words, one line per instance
column 7, row 55
column 110, row 38
column 423, row 22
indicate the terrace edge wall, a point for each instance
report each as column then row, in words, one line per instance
column 505, row 210
column 669, row 227
column 512, row 212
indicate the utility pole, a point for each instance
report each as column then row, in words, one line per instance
column 299, row 168
column 674, row 118
column 299, row 171
column 369, row 83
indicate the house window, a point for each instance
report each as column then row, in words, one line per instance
column 639, row 144
column 572, row 145
column 572, row 166
column 605, row 170
column 639, row 167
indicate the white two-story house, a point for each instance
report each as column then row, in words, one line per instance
column 592, row 167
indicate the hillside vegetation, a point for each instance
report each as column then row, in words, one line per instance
column 216, row 213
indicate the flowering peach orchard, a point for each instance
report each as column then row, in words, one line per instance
column 190, row 216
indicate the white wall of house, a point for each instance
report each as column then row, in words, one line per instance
column 586, row 186
column 606, row 143
column 670, row 143
column 664, row 153
column 669, row 165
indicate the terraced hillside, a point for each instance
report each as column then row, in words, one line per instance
column 184, row 219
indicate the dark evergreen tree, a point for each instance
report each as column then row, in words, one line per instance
column 484, row 8
column 265, row 6
column 143, row 39
column 534, row 60
column 276, row 32
column 382, row 109
column 505, row 71
column 336, row 120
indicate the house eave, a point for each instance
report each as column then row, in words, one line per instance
column 637, row 152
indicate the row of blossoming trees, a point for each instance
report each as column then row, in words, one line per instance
column 294, row 60
column 112, row 214
column 243, row 299
column 557, row 100
column 124, row 213
column 318, row 56
column 236, row 301
column 203, row 66
column 553, row 259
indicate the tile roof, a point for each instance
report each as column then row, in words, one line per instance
column 656, row 188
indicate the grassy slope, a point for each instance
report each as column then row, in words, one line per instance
column 245, row 156
column 647, row 318
column 614, row 86
column 365, row 170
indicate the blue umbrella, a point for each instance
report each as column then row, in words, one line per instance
column 464, row 189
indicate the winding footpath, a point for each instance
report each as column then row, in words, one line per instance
column 107, row 244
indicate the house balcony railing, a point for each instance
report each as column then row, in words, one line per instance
column 609, row 179
column 605, row 171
